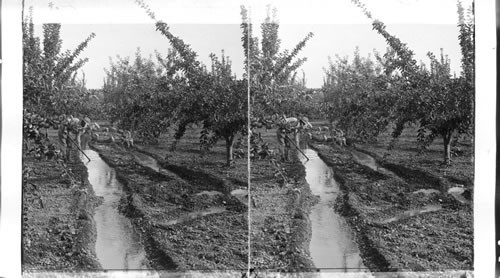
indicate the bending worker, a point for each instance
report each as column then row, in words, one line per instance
column 286, row 128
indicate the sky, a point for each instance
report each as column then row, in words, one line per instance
column 121, row 27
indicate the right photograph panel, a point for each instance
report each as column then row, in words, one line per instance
column 361, row 136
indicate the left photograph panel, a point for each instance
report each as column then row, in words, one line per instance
column 134, row 137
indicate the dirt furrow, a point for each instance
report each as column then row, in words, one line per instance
column 404, row 245
column 58, row 227
column 158, row 204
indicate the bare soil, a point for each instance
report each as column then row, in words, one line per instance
column 59, row 233
column 58, row 228
column 280, row 226
column 406, row 155
column 377, row 205
column 154, row 199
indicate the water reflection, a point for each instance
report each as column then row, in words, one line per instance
column 332, row 244
column 195, row 214
column 366, row 160
column 117, row 245
column 413, row 213
column 147, row 161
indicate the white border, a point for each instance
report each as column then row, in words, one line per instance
column 10, row 220
column 11, row 176
column 485, row 143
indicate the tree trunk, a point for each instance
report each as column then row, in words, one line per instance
column 447, row 147
column 229, row 150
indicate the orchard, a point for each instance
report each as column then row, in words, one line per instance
column 221, row 171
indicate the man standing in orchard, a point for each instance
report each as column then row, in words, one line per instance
column 68, row 125
column 63, row 135
column 85, row 132
column 283, row 140
column 286, row 127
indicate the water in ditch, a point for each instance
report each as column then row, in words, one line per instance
column 147, row 161
column 332, row 246
column 150, row 162
column 195, row 214
column 117, row 245
column 369, row 161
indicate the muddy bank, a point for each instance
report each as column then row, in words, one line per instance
column 194, row 175
column 417, row 239
column 332, row 246
column 117, row 244
column 58, row 228
column 300, row 205
column 413, row 174
column 172, row 219
column 281, row 229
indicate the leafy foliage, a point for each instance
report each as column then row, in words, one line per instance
column 35, row 136
column 177, row 91
column 50, row 79
column 50, row 86
column 225, row 104
column 136, row 94
column 440, row 104
column 275, row 87
column 358, row 94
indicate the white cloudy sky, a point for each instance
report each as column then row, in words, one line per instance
column 209, row 26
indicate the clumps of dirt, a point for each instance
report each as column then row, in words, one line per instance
column 158, row 258
column 372, row 258
column 281, row 229
column 204, row 181
column 419, row 178
column 424, row 167
column 160, row 206
column 210, row 242
column 438, row 240
column 433, row 241
column 300, row 204
column 59, row 231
